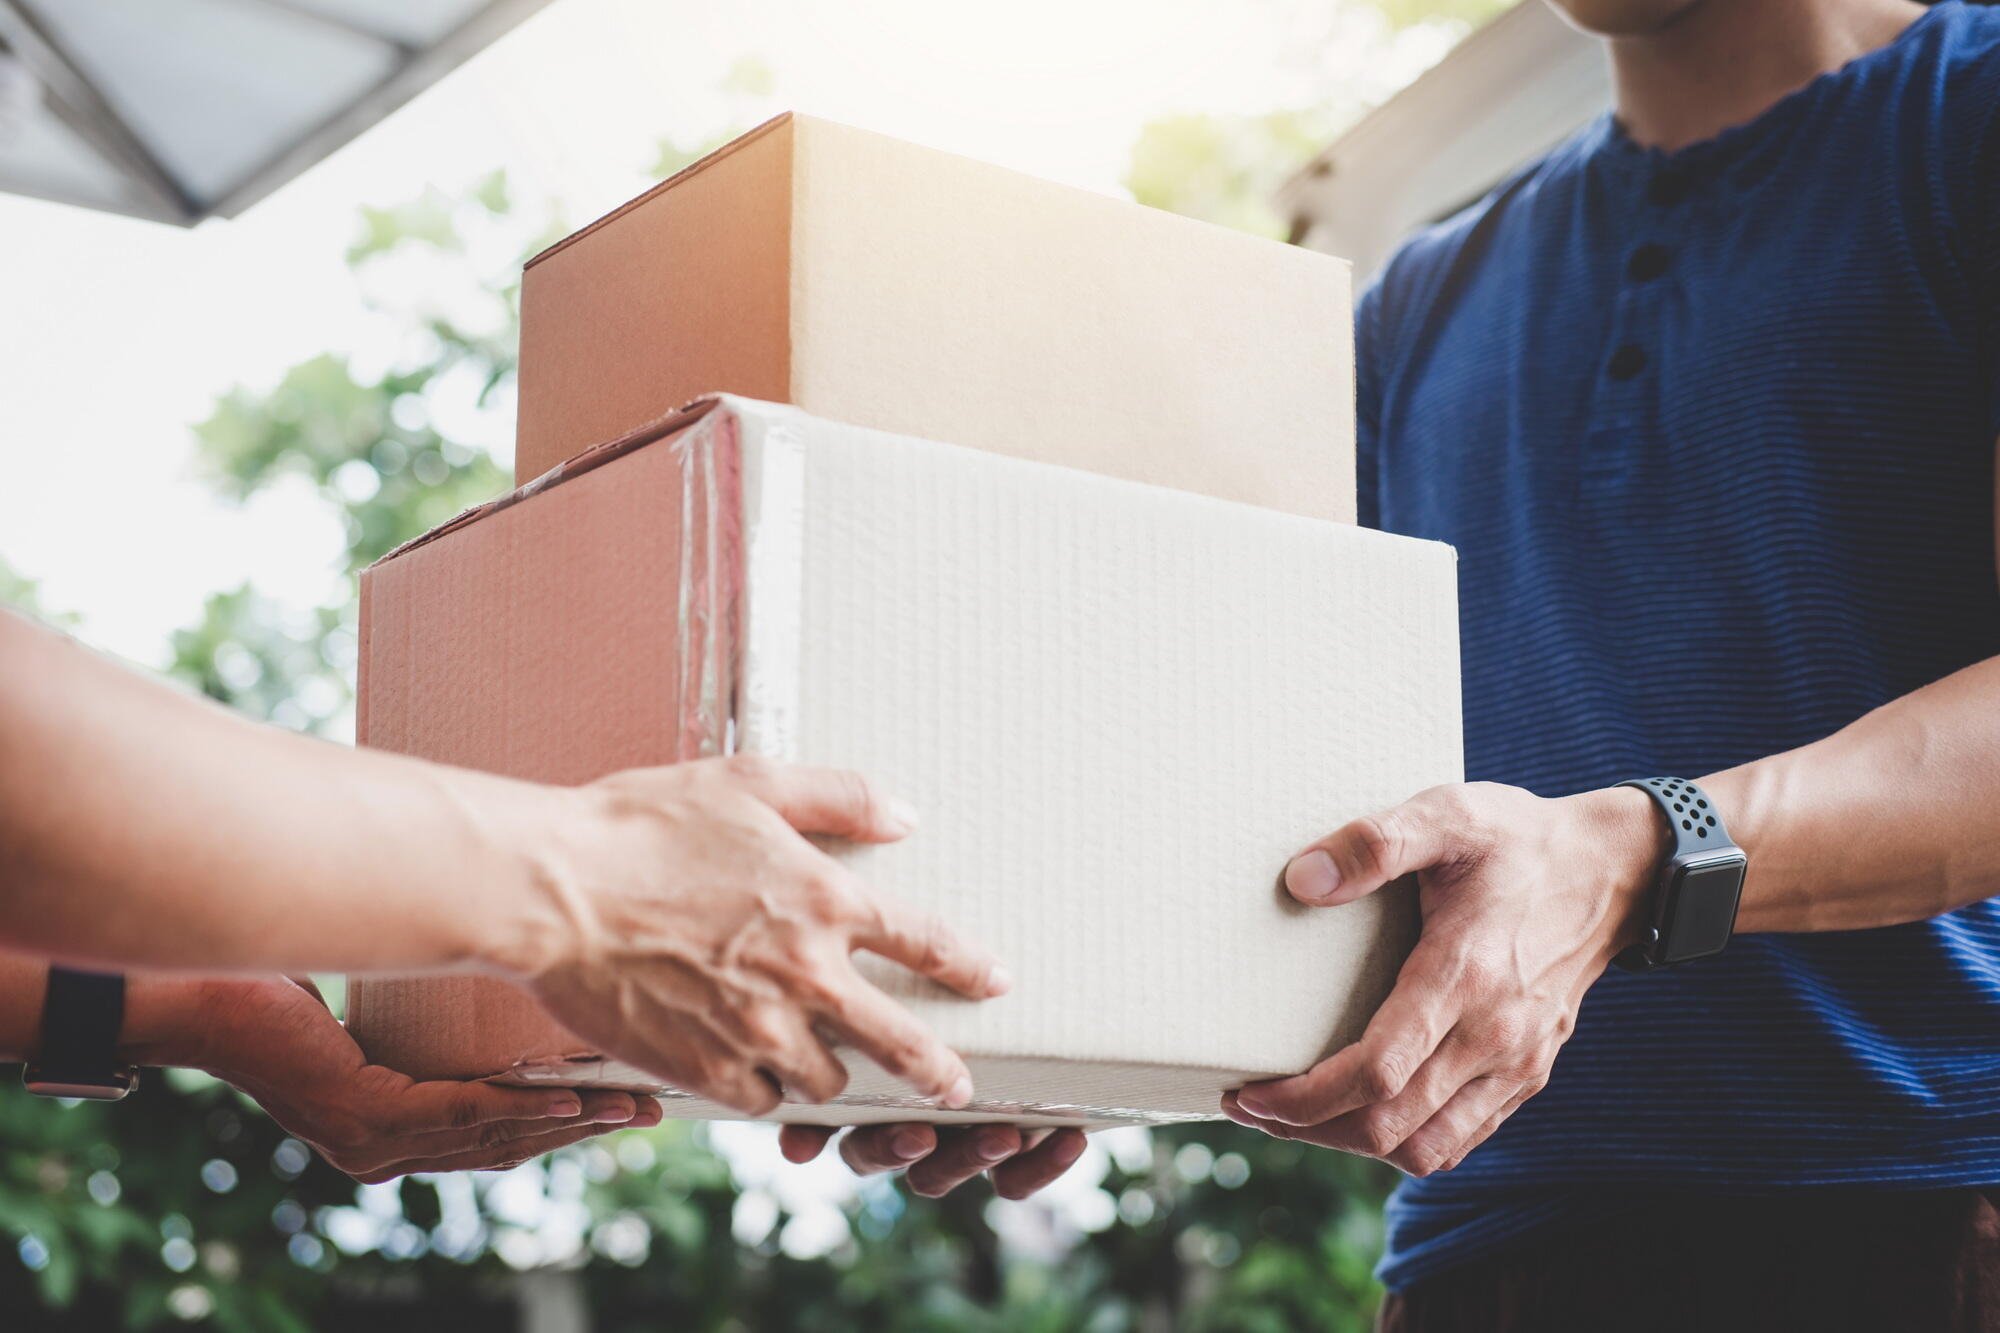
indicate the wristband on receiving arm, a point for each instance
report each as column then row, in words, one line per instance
column 82, row 1016
column 1693, row 911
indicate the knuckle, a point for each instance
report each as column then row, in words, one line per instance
column 463, row 1112
column 901, row 1055
column 826, row 991
column 763, row 1028
column 750, row 769
column 1455, row 802
column 828, row 897
column 1383, row 1075
column 830, row 1084
column 855, row 794
column 1418, row 1160
column 491, row 1137
column 1507, row 1031
column 934, row 942
column 1381, row 1135
column 1378, row 840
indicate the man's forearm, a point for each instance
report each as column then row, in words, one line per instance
column 140, row 827
column 1894, row 818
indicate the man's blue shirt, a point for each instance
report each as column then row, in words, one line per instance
column 1713, row 433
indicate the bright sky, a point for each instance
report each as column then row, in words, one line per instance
column 116, row 335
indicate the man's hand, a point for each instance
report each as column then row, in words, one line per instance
column 940, row 1159
column 276, row 1041
column 701, row 937
column 1525, row 901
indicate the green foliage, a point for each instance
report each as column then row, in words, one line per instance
column 1226, row 169
column 1469, row 13
column 1223, row 169
column 21, row 593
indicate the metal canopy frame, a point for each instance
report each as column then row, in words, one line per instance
column 75, row 99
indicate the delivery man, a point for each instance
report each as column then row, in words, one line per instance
column 1707, row 399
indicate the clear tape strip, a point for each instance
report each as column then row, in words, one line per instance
column 774, row 520
column 742, row 528
column 710, row 595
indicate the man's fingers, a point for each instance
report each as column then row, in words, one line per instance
column 926, row 945
column 1491, row 1123
column 1433, row 1144
column 1364, row 854
column 1398, row 1040
column 509, row 1153
column 829, row 800
column 962, row 1154
column 802, row 1143
column 1038, row 1166
column 1380, row 1129
column 889, row 1035
column 872, row 1149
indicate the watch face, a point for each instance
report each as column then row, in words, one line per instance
column 1704, row 906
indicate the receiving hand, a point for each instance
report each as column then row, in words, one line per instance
column 275, row 1041
column 711, row 944
column 938, row 1159
column 1525, row 901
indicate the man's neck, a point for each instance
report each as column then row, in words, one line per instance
column 1725, row 62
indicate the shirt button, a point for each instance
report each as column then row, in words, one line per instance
column 1626, row 362
column 1649, row 261
column 1669, row 187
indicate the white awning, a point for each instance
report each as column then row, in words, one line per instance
column 178, row 110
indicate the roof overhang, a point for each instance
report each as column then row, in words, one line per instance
column 179, row 110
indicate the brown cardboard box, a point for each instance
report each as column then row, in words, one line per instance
column 874, row 282
column 1119, row 708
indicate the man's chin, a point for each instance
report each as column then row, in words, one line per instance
column 1622, row 18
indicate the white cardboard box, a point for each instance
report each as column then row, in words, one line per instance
column 1120, row 709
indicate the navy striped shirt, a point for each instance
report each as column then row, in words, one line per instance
column 1713, row 432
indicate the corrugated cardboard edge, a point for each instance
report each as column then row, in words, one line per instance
column 596, row 456
column 702, row 164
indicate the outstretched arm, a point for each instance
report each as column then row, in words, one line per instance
column 141, row 826
column 273, row 1039
column 676, row 918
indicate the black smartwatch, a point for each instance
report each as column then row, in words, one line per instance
column 82, row 1014
column 1694, row 906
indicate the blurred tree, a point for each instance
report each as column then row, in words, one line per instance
column 23, row 594
column 1226, row 168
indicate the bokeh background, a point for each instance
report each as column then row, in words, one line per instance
column 206, row 434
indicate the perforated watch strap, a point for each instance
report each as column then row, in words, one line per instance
column 1690, row 814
